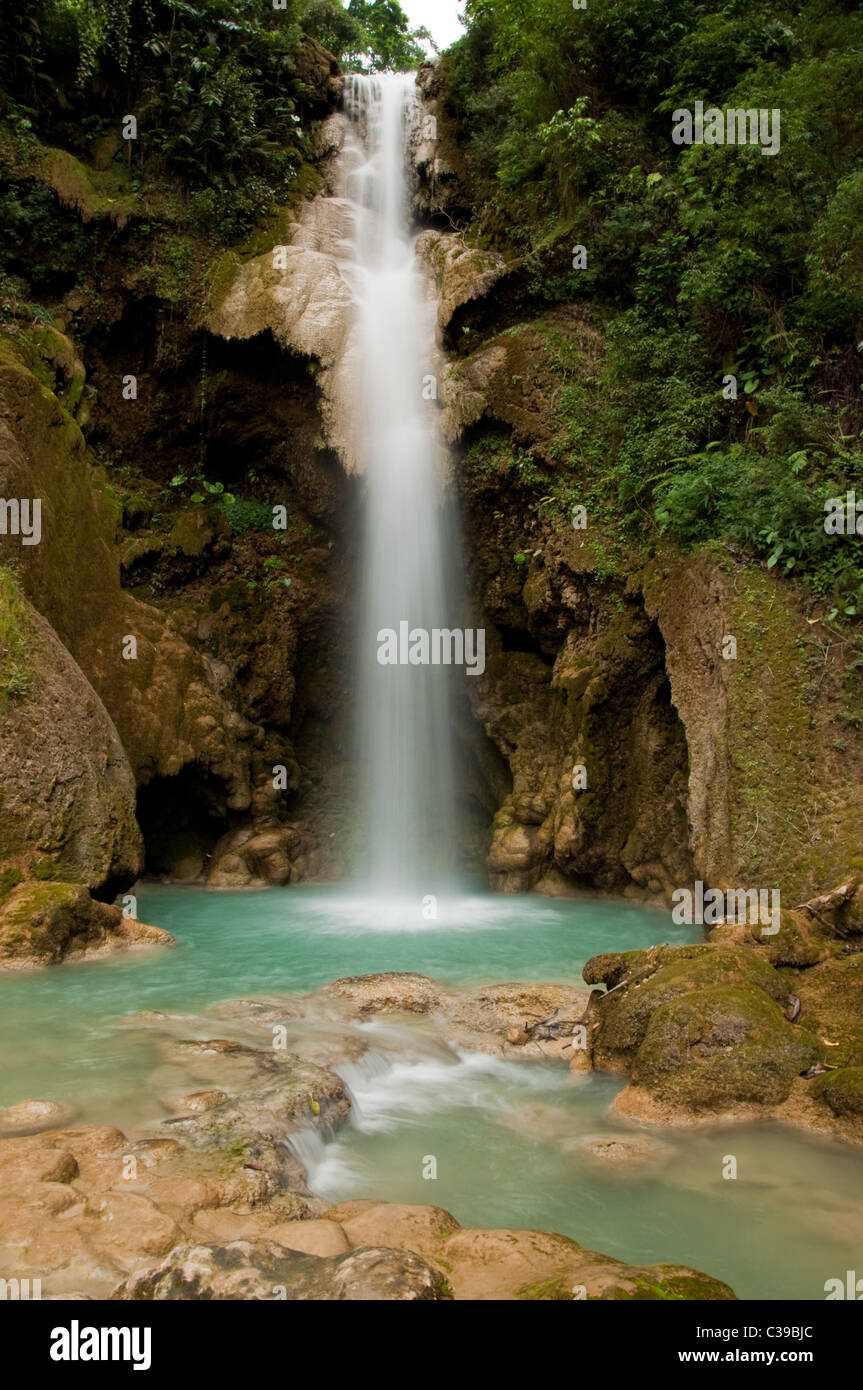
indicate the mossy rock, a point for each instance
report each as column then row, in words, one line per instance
column 38, row 921
column 137, row 509
column 669, row 1284
column 832, row 999
column 843, row 1091
column 193, row 532
column 67, row 795
column 653, row 1283
column 658, row 976
column 720, row 1046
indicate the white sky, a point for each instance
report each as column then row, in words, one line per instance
column 439, row 16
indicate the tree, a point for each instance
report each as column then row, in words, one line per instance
column 390, row 42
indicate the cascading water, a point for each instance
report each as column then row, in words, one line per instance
column 408, row 556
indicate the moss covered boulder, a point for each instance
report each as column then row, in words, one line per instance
column 842, row 1091
column 700, row 1029
column 43, row 923
column 643, row 981
column 719, row 1047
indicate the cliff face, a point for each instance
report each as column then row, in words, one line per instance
column 662, row 716
column 67, row 801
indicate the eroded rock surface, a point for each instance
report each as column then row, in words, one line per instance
column 67, row 798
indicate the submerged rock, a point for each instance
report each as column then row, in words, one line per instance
column 34, row 1116
column 625, row 1151
column 391, row 992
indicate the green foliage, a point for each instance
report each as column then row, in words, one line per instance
column 368, row 35
column 244, row 514
column 703, row 262
column 331, row 24
column 388, row 40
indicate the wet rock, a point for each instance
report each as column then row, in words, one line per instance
column 196, row 1102
column 261, row 1270
column 441, row 185
column 393, row 992
column 164, row 705
column 24, row 1161
column 508, row 1019
column 624, row 1152
column 308, row 308
column 34, row 1116
column 46, row 922
column 287, row 1096
column 273, row 855
column 321, row 1237
column 462, row 272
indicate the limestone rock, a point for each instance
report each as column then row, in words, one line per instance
column 700, row 1029
column 165, row 704
column 262, row 1270
column 308, row 308
column 263, row 854
column 43, row 923
column 67, row 798
column 282, row 1096
column 462, row 272
column 395, row 992
column 33, row 1116
column 510, row 1265
column 321, row 1237
column 483, row 1019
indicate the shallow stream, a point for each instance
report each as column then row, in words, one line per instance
column 503, row 1136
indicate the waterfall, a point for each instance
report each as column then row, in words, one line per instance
column 408, row 552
